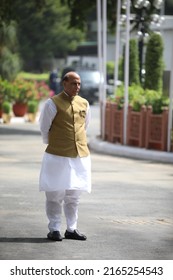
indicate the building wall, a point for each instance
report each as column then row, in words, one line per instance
column 167, row 33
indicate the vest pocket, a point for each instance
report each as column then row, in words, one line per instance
column 82, row 113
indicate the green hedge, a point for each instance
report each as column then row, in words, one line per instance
column 139, row 96
column 33, row 76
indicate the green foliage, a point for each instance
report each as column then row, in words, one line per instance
column 10, row 63
column 156, row 100
column 154, row 63
column 119, row 98
column 81, row 11
column 34, row 76
column 138, row 97
column 6, row 107
column 32, row 106
column 47, row 35
column 43, row 90
column 23, row 91
column 43, row 30
column 110, row 68
column 121, row 69
column 5, row 90
column 8, row 9
column 133, row 63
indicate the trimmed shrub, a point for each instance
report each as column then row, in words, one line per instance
column 154, row 63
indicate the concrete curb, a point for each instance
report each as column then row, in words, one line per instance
column 8, row 130
column 96, row 144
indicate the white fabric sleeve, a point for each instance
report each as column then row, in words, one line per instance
column 88, row 116
column 47, row 115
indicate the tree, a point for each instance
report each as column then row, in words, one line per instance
column 81, row 10
column 133, row 63
column 45, row 34
column 10, row 62
column 43, row 30
column 154, row 63
column 8, row 9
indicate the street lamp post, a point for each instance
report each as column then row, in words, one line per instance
column 142, row 7
column 146, row 15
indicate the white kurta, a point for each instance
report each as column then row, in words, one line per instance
column 57, row 172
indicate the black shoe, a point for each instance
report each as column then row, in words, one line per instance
column 54, row 236
column 74, row 235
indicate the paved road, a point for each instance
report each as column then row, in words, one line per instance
column 128, row 215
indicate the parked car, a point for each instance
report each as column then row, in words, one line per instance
column 90, row 80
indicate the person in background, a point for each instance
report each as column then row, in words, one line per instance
column 53, row 81
column 66, row 166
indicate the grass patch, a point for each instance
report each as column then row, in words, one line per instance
column 34, row 76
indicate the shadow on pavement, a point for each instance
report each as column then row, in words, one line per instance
column 19, row 131
column 24, row 240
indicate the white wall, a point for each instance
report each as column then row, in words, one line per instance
column 167, row 33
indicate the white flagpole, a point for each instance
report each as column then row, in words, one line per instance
column 170, row 106
column 99, row 43
column 104, row 65
column 126, row 71
column 117, row 44
column 100, row 57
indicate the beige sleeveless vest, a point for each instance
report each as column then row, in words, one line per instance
column 67, row 136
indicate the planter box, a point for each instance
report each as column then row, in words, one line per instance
column 116, row 123
column 144, row 129
column 107, row 135
column 136, row 125
column 156, row 130
column 113, row 123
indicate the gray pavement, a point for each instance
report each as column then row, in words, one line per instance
column 128, row 215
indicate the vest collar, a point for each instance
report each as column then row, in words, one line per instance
column 67, row 97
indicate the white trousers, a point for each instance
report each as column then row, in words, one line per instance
column 55, row 201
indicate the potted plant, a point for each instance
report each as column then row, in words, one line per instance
column 32, row 108
column 23, row 92
column 6, row 111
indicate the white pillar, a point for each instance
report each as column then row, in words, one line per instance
column 170, row 104
column 100, row 56
column 117, row 44
column 104, row 3
column 99, row 44
column 126, row 79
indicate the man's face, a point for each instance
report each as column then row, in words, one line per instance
column 72, row 86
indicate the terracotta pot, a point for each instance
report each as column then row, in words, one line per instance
column 19, row 109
